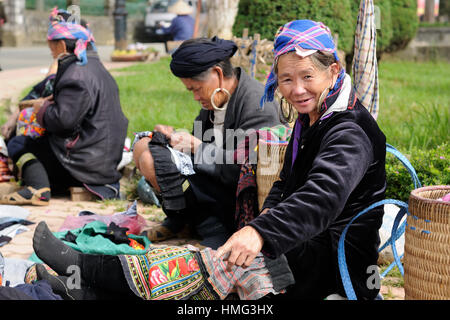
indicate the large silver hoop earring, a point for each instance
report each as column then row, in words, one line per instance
column 214, row 94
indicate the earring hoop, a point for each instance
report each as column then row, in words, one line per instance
column 214, row 94
column 290, row 115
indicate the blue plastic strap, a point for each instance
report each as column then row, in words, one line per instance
column 396, row 230
column 346, row 281
column 406, row 163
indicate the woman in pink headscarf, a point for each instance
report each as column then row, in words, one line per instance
column 333, row 169
column 85, row 127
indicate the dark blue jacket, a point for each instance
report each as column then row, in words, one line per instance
column 182, row 28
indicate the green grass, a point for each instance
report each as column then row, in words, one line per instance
column 414, row 103
column 150, row 95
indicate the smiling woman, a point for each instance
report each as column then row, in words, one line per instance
column 333, row 168
column 305, row 82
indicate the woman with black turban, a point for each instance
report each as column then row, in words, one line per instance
column 204, row 193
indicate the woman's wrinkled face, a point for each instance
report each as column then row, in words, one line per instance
column 203, row 89
column 301, row 82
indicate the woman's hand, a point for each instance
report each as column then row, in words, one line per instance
column 242, row 248
column 37, row 105
column 184, row 142
column 10, row 125
column 165, row 130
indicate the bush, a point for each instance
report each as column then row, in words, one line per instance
column 404, row 23
column 432, row 167
column 384, row 29
column 266, row 16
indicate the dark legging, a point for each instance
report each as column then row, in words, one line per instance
column 103, row 275
column 59, row 177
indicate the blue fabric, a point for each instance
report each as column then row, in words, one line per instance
column 181, row 28
column 15, row 271
column 39, row 290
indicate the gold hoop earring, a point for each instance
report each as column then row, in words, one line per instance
column 282, row 116
column 226, row 103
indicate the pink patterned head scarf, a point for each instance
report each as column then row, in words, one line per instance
column 59, row 29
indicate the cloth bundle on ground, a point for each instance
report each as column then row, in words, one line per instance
column 98, row 238
column 127, row 219
column 39, row 290
column 12, row 222
column 12, row 286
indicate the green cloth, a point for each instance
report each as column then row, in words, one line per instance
column 88, row 241
column 282, row 132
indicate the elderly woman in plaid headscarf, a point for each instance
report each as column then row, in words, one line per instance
column 333, row 169
column 85, row 127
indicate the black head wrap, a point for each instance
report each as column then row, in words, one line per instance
column 192, row 57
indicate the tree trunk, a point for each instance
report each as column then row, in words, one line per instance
column 221, row 16
column 429, row 11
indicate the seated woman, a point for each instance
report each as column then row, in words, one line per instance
column 334, row 168
column 162, row 273
column 85, row 127
column 205, row 194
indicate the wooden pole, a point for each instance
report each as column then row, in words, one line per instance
column 197, row 18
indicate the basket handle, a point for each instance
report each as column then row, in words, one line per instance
column 396, row 232
column 406, row 163
column 346, row 281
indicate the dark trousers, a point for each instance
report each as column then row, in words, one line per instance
column 105, row 277
column 313, row 267
column 60, row 179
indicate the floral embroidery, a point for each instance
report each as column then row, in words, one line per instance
column 157, row 277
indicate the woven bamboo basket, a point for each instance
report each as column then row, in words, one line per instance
column 427, row 245
column 270, row 163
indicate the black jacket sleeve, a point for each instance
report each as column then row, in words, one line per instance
column 344, row 156
column 72, row 103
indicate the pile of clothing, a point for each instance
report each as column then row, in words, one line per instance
column 87, row 232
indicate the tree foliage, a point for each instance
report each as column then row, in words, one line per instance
column 398, row 21
column 266, row 16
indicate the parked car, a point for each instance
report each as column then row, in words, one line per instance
column 157, row 14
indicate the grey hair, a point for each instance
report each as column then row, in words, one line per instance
column 225, row 65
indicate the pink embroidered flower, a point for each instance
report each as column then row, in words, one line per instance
column 157, row 277
column 193, row 265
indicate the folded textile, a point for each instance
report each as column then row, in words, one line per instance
column 4, row 240
column 279, row 133
column 13, row 212
column 178, row 273
column 39, row 290
column 11, row 228
column 91, row 239
column 9, row 293
column 15, row 271
column 127, row 219
column 6, row 222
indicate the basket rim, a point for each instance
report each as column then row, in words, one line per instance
column 415, row 193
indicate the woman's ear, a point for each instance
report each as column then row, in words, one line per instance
column 219, row 74
column 334, row 69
